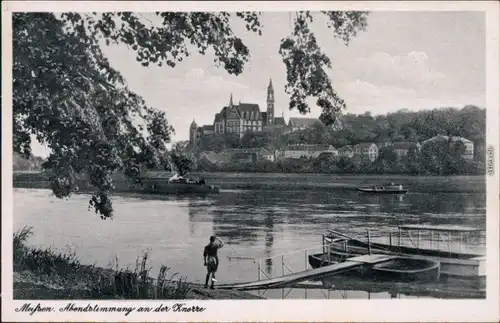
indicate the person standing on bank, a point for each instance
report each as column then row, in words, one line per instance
column 211, row 260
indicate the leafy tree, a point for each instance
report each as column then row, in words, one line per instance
column 27, row 164
column 256, row 139
column 387, row 154
column 180, row 161
column 325, row 163
column 66, row 93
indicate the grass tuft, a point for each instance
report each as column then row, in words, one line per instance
column 65, row 271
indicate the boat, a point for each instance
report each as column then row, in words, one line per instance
column 398, row 269
column 149, row 184
column 177, row 185
column 382, row 189
column 464, row 267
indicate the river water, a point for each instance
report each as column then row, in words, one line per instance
column 253, row 223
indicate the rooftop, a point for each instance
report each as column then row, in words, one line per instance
column 303, row 121
column 247, row 151
column 309, row 147
column 443, row 137
column 404, row 145
column 345, row 148
column 364, row 145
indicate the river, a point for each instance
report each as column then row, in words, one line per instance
column 254, row 223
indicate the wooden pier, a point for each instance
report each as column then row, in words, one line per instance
column 307, row 275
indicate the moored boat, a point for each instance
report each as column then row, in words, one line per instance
column 395, row 270
column 382, row 189
column 462, row 267
column 177, row 185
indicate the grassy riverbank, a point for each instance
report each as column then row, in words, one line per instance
column 47, row 274
column 332, row 182
column 297, row 181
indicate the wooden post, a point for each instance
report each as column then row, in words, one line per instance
column 399, row 239
column 369, row 245
column 461, row 237
column 390, row 239
column 306, row 259
column 258, row 268
column 282, row 265
column 449, row 242
column 418, row 239
column 323, row 242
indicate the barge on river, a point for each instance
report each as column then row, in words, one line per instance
column 459, row 267
column 177, row 185
column 382, row 189
column 149, row 184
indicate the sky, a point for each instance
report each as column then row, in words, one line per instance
column 404, row 60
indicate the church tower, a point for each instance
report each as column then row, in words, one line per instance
column 192, row 132
column 231, row 100
column 270, row 103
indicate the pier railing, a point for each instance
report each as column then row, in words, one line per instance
column 285, row 263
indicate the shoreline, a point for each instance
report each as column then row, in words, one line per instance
column 25, row 290
column 295, row 181
column 42, row 273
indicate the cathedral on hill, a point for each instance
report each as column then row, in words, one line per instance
column 240, row 118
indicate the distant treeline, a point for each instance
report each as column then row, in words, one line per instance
column 439, row 158
column 468, row 122
column 421, row 164
column 22, row 163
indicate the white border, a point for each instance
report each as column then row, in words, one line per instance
column 271, row 310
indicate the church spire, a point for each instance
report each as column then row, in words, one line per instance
column 231, row 100
column 270, row 103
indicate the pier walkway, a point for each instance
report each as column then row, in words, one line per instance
column 295, row 278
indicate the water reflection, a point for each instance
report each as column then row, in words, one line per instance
column 253, row 223
column 269, row 239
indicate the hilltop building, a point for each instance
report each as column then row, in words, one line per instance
column 242, row 117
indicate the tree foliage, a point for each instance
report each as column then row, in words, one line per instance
column 180, row 161
column 66, row 93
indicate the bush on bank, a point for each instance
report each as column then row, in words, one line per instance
column 65, row 271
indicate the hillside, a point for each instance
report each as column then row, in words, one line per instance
column 468, row 122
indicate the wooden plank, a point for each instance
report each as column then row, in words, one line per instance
column 372, row 259
column 316, row 273
column 295, row 277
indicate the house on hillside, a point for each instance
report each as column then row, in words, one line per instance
column 469, row 145
column 367, row 149
column 214, row 157
column 249, row 155
column 402, row 148
column 295, row 124
column 384, row 144
column 346, row 152
column 308, row 151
